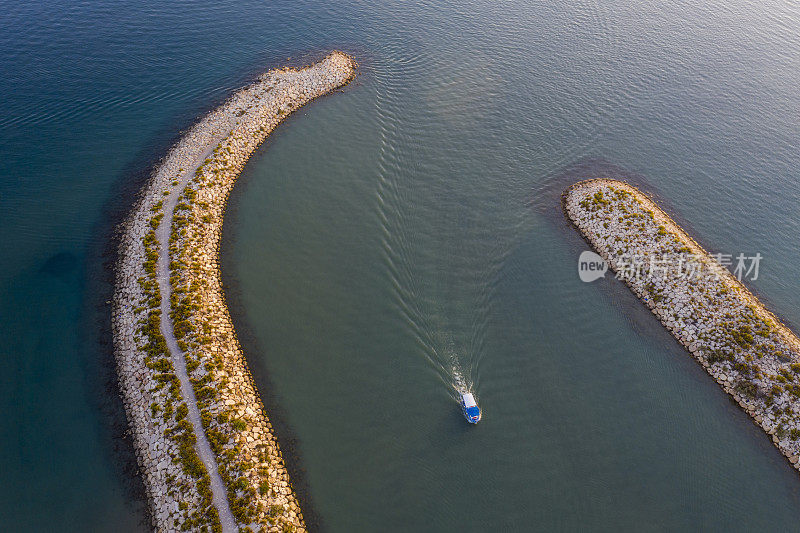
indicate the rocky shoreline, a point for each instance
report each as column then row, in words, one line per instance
column 743, row 346
column 204, row 444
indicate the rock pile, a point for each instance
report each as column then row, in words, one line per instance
column 748, row 351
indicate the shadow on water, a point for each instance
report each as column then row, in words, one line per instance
column 102, row 381
column 61, row 265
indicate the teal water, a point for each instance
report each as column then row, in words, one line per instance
column 401, row 236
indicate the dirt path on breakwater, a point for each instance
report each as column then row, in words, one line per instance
column 220, row 498
column 748, row 351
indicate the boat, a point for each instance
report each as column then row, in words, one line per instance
column 471, row 410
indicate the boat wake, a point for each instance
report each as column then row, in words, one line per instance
column 441, row 269
column 460, row 385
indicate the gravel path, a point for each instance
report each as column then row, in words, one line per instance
column 218, row 491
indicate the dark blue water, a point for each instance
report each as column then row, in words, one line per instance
column 400, row 238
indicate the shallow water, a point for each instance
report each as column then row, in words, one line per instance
column 400, row 234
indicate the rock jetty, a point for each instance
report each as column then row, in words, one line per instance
column 743, row 346
column 206, row 450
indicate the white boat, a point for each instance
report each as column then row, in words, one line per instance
column 471, row 410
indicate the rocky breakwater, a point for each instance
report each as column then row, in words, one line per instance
column 174, row 429
column 744, row 347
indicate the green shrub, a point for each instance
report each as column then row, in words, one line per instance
column 190, row 461
column 191, row 364
column 204, row 488
column 746, row 388
column 213, row 517
column 168, row 410
column 743, row 336
column 717, row 356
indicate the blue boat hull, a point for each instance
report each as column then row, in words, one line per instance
column 471, row 419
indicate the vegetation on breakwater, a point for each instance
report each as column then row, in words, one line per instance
column 168, row 405
column 219, row 419
column 748, row 351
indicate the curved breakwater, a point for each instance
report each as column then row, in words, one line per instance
column 204, row 443
column 745, row 348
